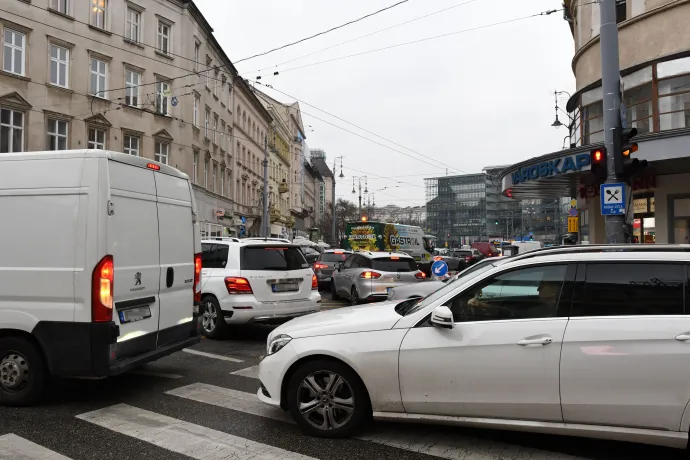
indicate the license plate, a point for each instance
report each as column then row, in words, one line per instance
column 134, row 314
column 285, row 287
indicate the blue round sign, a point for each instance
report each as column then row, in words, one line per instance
column 174, row 101
column 439, row 268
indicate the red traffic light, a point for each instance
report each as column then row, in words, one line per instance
column 598, row 155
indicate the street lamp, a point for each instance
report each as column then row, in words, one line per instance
column 557, row 123
column 366, row 189
column 333, row 226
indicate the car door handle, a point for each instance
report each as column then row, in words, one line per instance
column 539, row 341
column 683, row 337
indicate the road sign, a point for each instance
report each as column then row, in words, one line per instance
column 573, row 212
column 573, row 225
column 439, row 268
column 612, row 199
column 174, row 101
column 573, row 203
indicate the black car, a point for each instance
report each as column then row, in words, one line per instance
column 325, row 264
column 310, row 254
column 470, row 256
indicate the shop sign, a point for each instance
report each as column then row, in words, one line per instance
column 219, row 212
column 555, row 167
column 573, row 224
column 651, row 204
column 640, row 205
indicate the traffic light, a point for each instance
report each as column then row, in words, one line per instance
column 496, row 222
column 598, row 162
column 630, row 167
column 364, row 218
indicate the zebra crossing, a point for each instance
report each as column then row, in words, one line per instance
column 171, row 431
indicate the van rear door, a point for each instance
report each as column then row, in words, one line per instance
column 132, row 240
column 276, row 273
column 176, row 236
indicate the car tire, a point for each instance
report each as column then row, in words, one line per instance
column 354, row 297
column 334, row 293
column 22, row 372
column 212, row 320
column 344, row 419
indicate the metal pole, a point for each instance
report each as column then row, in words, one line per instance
column 360, row 198
column 610, row 82
column 266, row 225
column 333, row 235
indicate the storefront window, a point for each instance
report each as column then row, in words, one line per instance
column 681, row 220
column 674, row 103
column 644, row 224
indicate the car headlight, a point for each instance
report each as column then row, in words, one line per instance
column 277, row 343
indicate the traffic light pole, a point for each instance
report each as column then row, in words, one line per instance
column 610, row 82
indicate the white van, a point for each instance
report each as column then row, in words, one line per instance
column 100, row 264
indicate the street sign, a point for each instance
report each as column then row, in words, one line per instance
column 573, row 225
column 573, row 212
column 174, row 101
column 439, row 268
column 612, row 199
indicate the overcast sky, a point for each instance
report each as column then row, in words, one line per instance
column 470, row 100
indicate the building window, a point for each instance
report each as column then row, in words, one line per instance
column 206, row 174
column 215, row 130
column 197, row 51
column 57, row 134
column 96, row 139
column 13, row 52
column 222, row 181
column 162, row 152
column 131, row 145
column 206, row 122
column 98, row 77
column 593, row 116
column 213, row 177
column 59, row 62
column 164, row 31
column 59, row 5
column 222, row 91
column 162, row 93
column 133, row 25
column 98, row 13
column 11, row 131
column 197, row 101
column 215, row 85
column 132, row 83
column 638, row 103
column 674, row 103
column 196, row 167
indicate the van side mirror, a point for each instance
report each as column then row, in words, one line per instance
column 442, row 317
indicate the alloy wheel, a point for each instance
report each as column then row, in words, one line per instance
column 326, row 400
column 14, row 371
column 210, row 317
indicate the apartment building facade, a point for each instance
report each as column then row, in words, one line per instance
column 143, row 77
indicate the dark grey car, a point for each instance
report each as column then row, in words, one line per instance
column 325, row 264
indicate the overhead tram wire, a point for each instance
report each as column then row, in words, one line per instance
column 324, row 32
column 365, row 36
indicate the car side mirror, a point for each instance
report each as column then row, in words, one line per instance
column 442, row 317
column 338, row 266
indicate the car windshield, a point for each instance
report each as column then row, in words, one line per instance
column 390, row 264
column 407, row 308
column 272, row 258
column 333, row 257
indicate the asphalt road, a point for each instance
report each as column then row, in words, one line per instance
column 202, row 404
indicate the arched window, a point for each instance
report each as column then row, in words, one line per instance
column 238, row 113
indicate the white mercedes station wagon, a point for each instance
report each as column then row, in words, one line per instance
column 588, row 341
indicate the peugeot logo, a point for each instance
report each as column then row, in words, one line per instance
column 137, row 279
column 287, row 274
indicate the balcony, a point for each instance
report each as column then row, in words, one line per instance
column 283, row 187
column 274, row 214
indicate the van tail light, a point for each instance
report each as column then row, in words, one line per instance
column 238, row 285
column 370, row 275
column 318, row 266
column 420, row 275
column 197, row 277
column 102, row 290
column 314, row 283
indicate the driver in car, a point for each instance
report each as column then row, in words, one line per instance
column 548, row 296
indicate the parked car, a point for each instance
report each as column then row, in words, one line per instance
column 419, row 290
column 368, row 276
column 471, row 256
column 111, row 287
column 594, row 343
column 254, row 282
column 486, row 249
column 325, row 265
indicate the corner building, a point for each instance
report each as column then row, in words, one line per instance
column 654, row 43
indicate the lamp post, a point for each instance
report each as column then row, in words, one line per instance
column 557, row 123
column 333, row 225
column 366, row 190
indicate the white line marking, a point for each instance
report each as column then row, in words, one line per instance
column 185, row 438
column 156, row 374
column 211, row 355
column 251, row 372
column 448, row 444
column 12, row 447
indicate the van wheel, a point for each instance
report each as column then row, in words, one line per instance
column 334, row 293
column 354, row 296
column 22, row 372
column 327, row 399
column 212, row 320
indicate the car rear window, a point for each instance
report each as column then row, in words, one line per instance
column 333, row 257
column 272, row 258
column 463, row 253
column 386, row 264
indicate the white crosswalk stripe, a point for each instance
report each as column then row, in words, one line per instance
column 212, row 355
column 251, row 372
column 13, row 447
column 185, row 438
column 438, row 444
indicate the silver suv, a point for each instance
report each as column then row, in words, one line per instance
column 369, row 276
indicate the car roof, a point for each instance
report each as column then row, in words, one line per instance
column 381, row 254
column 330, row 251
column 245, row 242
